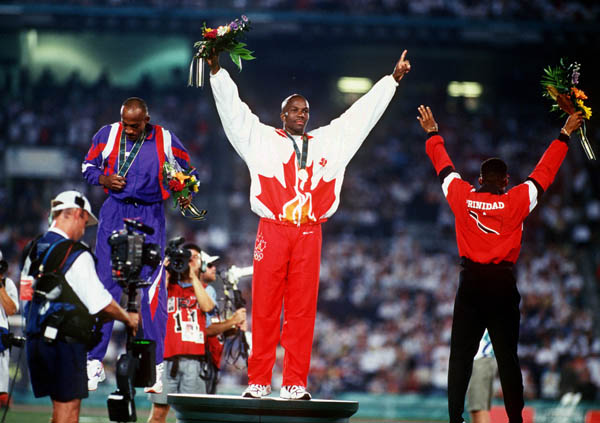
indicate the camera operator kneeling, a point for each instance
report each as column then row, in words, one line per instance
column 62, row 317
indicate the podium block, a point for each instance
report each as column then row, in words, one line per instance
column 198, row 408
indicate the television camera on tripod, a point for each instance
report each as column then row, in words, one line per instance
column 136, row 367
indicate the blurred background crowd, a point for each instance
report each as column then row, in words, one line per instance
column 486, row 9
column 390, row 267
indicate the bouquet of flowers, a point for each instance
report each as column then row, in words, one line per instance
column 181, row 183
column 560, row 85
column 216, row 40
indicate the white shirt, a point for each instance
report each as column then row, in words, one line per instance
column 11, row 290
column 213, row 296
column 485, row 347
column 277, row 188
column 82, row 277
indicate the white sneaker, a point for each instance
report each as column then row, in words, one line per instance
column 257, row 391
column 294, row 392
column 157, row 388
column 95, row 374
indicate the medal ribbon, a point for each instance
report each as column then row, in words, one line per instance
column 124, row 165
column 300, row 158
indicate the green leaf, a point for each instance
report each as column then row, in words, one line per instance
column 235, row 58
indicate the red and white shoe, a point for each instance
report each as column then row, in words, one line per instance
column 256, row 391
column 294, row 392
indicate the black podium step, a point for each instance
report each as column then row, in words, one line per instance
column 227, row 408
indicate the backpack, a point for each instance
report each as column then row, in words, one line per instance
column 55, row 311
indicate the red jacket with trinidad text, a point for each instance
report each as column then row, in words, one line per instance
column 489, row 225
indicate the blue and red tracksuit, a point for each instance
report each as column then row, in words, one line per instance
column 141, row 199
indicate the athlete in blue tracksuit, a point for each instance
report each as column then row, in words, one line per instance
column 137, row 194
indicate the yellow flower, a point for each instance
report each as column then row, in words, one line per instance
column 182, row 177
column 195, row 188
column 193, row 179
column 587, row 111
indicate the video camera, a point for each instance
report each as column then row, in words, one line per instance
column 136, row 368
column 179, row 258
column 9, row 340
column 129, row 252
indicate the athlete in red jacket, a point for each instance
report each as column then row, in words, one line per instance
column 489, row 225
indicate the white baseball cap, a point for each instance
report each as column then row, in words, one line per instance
column 73, row 200
column 206, row 258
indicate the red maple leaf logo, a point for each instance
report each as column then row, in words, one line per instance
column 296, row 202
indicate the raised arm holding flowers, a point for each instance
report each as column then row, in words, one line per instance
column 560, row 85
column 216, row 40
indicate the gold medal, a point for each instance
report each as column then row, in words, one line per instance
column 302, row 175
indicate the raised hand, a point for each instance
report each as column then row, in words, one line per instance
column 213, row 62
column 573, row 123
column 402, row 67
column 426, row 119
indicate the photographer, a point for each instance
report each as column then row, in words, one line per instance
column 9, row 305
column 67, row 298
column 221, row 323
column 215, row 326
column 189, row 302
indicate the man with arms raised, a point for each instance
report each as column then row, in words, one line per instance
column 489, row 227
column 296, row 178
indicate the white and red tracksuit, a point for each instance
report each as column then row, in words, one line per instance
column 287, row 251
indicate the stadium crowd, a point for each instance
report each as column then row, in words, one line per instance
column 390, row 266
column 566, row 11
